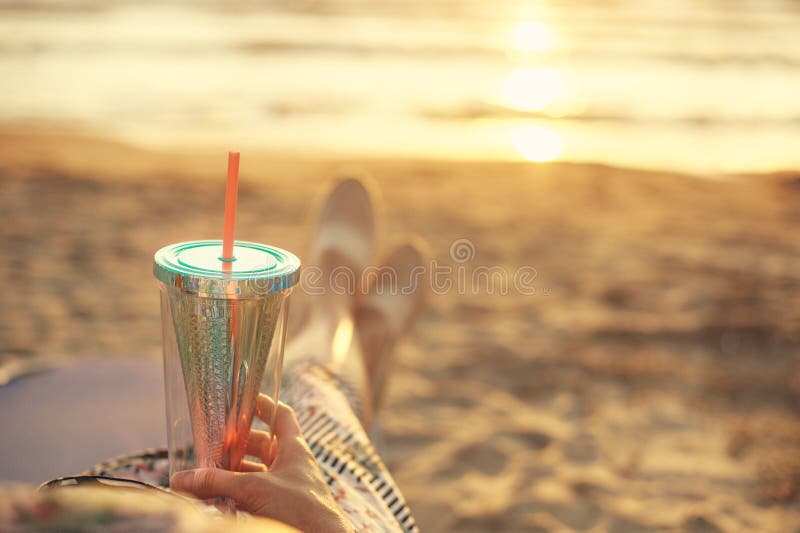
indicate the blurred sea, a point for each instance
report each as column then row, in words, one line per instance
column 697, row 85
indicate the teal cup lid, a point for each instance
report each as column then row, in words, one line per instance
column 197, row 267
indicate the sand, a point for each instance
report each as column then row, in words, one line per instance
column 649, row 383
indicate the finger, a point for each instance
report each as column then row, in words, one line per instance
column 286, row 424
column 252, row 466
column 258, row 443
column 264, row 407
column 210, row 483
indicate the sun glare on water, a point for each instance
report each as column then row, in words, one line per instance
column 537, row 143
column 531, row 89
column 531, row 36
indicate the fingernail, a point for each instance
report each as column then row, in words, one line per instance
column 182, row 480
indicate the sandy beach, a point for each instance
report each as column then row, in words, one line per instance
column 646, row 379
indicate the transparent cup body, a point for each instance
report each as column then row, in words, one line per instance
column 218, row 355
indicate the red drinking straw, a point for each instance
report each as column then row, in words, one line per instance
column 232, row 432
column 231, row 193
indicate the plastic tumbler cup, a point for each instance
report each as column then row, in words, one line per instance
column 224, row 325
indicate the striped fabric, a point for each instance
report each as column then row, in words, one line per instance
column 327, row 408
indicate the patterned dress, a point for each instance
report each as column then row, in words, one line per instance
column 328, row 409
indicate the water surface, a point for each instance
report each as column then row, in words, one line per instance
column 704, row 86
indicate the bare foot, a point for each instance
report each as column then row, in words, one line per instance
column 392, row 301
column 340, row 250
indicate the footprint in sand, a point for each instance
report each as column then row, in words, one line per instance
column 484, row 457
column 700, row 524
column 530, row 440
column 581, row 449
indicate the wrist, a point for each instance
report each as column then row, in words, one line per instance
column 334, row 521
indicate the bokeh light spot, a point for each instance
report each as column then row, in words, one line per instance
column 537, row 143
column 531, row 89
column 532, row 36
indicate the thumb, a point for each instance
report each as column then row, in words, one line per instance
column 209, row 483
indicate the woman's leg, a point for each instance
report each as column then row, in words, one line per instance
column 340, row 249
column 338, row 365
column 390, row 304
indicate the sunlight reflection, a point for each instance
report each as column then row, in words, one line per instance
column 531, row 36
column 532, row 89
column 342, row 339
column 537, row 143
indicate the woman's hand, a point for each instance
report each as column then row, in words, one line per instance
column 293, row 491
